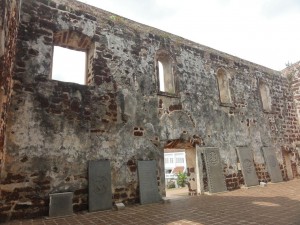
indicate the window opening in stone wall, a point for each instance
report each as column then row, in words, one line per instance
column 69, row 65
column 265, row 97
column 165, row 73
column 223, row 83
column 161, row 76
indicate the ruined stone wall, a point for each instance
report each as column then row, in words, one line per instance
column 292, row 73
column 54, row 127
column 9, row 13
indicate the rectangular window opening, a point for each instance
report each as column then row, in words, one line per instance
column 69, row 65
column 161, row 76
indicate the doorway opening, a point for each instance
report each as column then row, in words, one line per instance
column 180, row 169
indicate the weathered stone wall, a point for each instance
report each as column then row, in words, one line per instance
column 9, row 13
column 292, row 73
column 54, row 128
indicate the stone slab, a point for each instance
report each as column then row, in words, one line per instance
column 100, row 193
column 263, row 184
column 272, row 164
column 214, row 169
column 199, row 170
column 61, row 204
column 120, row 206
column 166, row 200
column 148, row 182
column 247, row 166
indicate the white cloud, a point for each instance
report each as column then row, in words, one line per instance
column 276, row 8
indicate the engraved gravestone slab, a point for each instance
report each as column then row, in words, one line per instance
column 247, row 165
column 272, row 165
column 61, row 204
column 100, row 194
column 148, row 182
column 214, row 168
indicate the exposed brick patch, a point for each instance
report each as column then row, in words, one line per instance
column 14, row 178
column 132, row 166
column 7, row 65
column 138, row 131
column 175, row 107
column 160, row 104
column 234, row 181
column 262, row 173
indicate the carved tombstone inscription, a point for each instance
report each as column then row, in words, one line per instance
column 272, row 164
column 100, row 194
column 247, row 164
column 148, row 182
column 61, row 204
column 214, row 168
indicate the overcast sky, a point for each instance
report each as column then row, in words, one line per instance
column 266, row 32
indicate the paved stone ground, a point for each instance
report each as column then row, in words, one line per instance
column 177, row 192
column 275, row 204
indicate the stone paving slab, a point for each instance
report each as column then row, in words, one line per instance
column 276, row 204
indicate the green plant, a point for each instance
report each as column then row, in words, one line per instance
column 181, row 179
column 116, row 19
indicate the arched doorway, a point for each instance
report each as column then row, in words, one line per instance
column 181, row 168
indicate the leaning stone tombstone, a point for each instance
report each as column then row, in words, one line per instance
column 199, row 170
column 100, row 194
column 148, row 182
column 272, row 165
column 61, row 204
column 214, row 168
column 247, row 165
